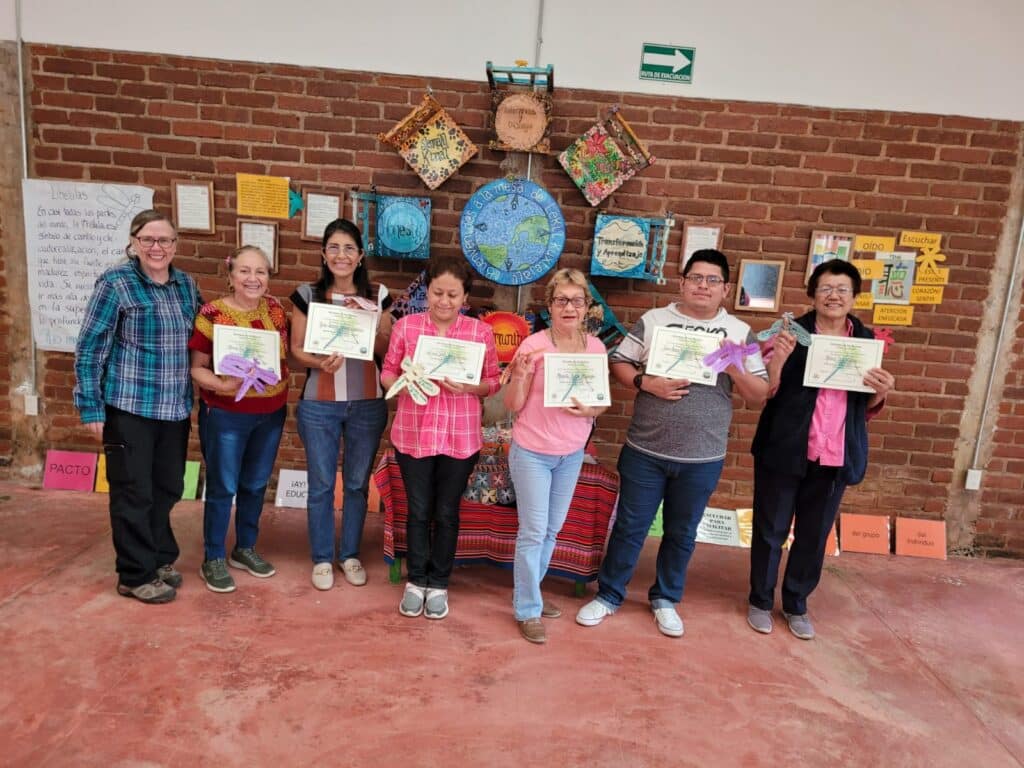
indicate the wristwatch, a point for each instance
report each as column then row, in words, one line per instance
column 638, row 381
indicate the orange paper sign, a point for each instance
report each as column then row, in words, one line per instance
column 864, row 533
column 921, row 538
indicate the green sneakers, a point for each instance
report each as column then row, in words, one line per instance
column 215, row 574
column 249, row 560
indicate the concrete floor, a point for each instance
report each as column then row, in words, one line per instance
column 917, row 663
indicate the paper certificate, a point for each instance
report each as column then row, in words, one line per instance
column 263, row 347
column 840, row 362
column 581, row 376
column 679, row 354
column 444, row 358
column 349, row 332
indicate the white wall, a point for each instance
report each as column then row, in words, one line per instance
column 941, row 56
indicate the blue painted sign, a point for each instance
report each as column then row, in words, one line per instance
column 403, row 227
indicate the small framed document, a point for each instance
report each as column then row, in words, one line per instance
column 263, row 347
column 697, row 237
column 840, row 362
column 262, row 234
column 444, row 358
column 318, row 210
column 192, row 206
column 580, row 376
column 349, row 332
column 679, row 354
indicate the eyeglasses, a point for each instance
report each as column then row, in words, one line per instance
column 348, row 250
column 710, row 280
column 563, row 301
column 163, row 242
column 838, row 290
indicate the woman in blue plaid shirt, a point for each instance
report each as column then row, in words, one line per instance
column 134, row 391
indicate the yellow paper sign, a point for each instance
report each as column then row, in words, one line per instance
column 929, row 240
column 926, row 294
column 101, row 475
column 893, row 314
column 264, row 196
column 864, row 300
column 936, row 276
column 874, row 243
column 870, row 269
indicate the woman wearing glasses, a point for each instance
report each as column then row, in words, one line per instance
column 133, row 391
column 341, row 401
column 547, row 446
column 810, row 444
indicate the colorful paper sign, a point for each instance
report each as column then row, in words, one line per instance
column 102, row 486
column 893, row 286
column 191, row 480
column 926, row 294
column 263, row 196
column 892, row 314
column 921, row 538
column 932, row 276
column 70, row 470
column 864, row 300
column 924, row 240
column 509, row 331
column 874, row 243
column 870, row 269
column 719, row 526
column 291, row 489
column 864, row 533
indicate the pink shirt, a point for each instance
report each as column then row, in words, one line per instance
column 550, row 431
column 448, row 424
column 826, row 440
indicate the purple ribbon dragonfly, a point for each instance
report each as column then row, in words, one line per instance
column 728, row 354
column 250, row 372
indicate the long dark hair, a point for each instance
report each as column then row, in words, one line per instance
column 361, row 277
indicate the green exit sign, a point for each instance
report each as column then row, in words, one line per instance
column 672, row 63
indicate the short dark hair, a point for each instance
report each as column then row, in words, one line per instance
column 709, row 256
column 456, row 266
column 834, row 267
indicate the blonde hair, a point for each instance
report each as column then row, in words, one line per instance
column 566, row 276
column 230, row 260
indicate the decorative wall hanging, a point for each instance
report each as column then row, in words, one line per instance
column 826, row 246
column 605, row 157
column 512, row 231
column 630, row 246
column 509, row 331
column 401, row 225
column 431, row 143
column 521, row 113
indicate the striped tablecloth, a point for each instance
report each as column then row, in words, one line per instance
column 487, row 532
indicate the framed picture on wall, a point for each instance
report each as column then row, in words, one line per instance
column 826, row 246
column 696, row 237
column 318, row 210
column 759, row 286
column 262, row 234
column 192, row 206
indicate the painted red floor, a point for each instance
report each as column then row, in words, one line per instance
column 917, row 663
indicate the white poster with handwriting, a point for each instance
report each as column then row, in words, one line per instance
column 74, row 230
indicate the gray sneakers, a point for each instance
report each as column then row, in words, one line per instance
column 215, row 574
column 800, row 625
column 153, row 592
column 436, row 606
column 169, row 575
column 759, row 619
column 412, row 601
column 249, row 560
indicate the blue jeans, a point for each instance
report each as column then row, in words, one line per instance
column 323, row 425
column 644, row 482
column 544, row 486
column 239, row 450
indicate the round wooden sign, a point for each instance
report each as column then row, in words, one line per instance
column 520, row 121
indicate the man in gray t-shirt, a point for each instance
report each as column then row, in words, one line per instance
column 676, row 442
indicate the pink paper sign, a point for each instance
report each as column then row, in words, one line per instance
column 70, row 470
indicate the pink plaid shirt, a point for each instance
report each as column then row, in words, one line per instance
column 448, row 424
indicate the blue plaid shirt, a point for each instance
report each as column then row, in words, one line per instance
column 132, row 351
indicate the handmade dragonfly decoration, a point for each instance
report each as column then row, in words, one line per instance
column 786, row 323
column 414, row 380
column 730, row 353
column 250, row 372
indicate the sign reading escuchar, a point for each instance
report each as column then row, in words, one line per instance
column 672, row 63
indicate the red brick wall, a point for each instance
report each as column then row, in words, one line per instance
column 770, row 173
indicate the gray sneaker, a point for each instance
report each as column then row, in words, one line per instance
column 436, row 606
column 169, row 575
column 412, row 601
column 153, row 592
column 215, row 574
column 249, row 560
column 759, row 619
column 800, row 625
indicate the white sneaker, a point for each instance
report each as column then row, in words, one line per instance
column 668, row 621
column 592, row 614
column 323, row 576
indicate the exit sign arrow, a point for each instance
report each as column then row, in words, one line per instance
column 672, row 63
column 677, row 59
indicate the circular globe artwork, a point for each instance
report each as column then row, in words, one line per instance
column 512, row 231
column 403, row 227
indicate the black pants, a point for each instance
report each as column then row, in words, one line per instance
column 814, row 501
column 434, row 486
column 146, row 472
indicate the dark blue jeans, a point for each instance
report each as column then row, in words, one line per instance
column 646, row 481
column 323, row 426
column 239, row 450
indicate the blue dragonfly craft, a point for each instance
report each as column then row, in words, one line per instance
column 414, row 380
column 786, row 323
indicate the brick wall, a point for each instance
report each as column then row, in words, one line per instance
column 770, row 173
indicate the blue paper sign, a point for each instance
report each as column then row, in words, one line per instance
column 620, row 246
column 403, row 227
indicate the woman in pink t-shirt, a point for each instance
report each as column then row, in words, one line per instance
column 547, row 446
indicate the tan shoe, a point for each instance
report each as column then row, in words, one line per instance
column 323, row 576
column 533, row 630
column 354, row 572
column 153, row 592
column 550, row 611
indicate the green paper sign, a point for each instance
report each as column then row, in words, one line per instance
column 672, row 63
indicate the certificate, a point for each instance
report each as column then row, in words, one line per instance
column 840, row 362
column 444, row 358
column 581, row 376
column 349, row 332
column 679, row 354
column 263, row 347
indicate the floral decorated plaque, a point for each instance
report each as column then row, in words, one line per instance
column 604, row 158
column 431, row 142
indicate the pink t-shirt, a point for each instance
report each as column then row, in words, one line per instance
column 550, row 431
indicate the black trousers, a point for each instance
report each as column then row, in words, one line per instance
column 434, row 486
column 814, row 501
column 146, row 473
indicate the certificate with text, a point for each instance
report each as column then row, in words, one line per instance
column 444, row 358
column 840, row 362
column 679, row 354
column 257, row 346
column 580, row 376
column 332, row 329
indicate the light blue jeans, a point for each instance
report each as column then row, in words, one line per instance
column 544, row 487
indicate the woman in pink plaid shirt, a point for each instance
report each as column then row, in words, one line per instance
column 437, row 444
